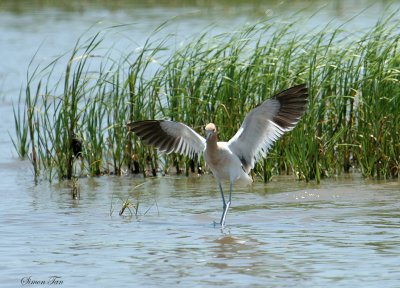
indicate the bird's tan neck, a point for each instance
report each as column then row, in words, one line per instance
column 212, row 148
column 212, row 142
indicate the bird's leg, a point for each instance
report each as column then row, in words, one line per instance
column 230, row 193
column 225, row 205
column 222, row 195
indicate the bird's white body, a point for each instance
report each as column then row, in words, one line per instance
column 224, row 164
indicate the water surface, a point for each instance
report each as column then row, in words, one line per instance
column 344, row 232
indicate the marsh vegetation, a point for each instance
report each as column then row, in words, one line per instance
column 352, row 122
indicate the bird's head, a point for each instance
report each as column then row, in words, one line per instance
column 211, row 131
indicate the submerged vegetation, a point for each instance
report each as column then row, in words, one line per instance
column 352, row 122
column 130, row 205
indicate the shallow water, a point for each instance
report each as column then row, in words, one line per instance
column 344, row 232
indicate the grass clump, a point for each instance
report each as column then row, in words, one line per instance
column 130, row 205
column 352, row 122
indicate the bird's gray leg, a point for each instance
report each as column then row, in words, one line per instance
column 222, row 195
column 223, row 205
column 226, row 205
column 230, row 193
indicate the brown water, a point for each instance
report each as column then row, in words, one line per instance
column 344, row 232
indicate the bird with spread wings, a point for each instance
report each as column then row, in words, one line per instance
column 234, row 159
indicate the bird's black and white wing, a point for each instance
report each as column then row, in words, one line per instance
column 264, row 124
column 169, row 136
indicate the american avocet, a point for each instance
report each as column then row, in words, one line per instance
column 234, row 159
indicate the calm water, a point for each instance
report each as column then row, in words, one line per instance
column 344, row 232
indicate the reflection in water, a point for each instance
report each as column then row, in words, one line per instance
column 228, row 247
column 237, row 255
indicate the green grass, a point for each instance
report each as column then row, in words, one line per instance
column 352, row 122
column 130, row 205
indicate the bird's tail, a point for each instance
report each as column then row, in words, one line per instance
column 244, row 179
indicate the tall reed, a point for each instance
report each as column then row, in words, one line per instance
column 352, row 121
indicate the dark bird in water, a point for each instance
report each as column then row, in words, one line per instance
column 76, row 145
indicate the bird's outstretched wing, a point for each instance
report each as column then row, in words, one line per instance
column 169, row 136
column 264, row 124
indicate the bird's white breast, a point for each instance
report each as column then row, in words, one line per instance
column 224, row 164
